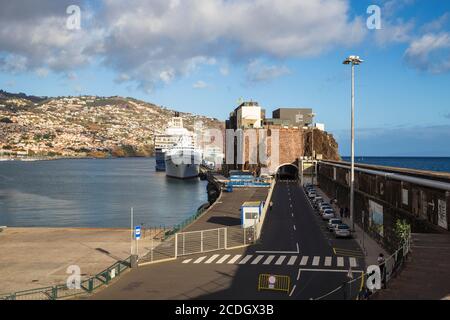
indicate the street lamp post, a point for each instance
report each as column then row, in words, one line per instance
column 313, row 156
column 352, row 60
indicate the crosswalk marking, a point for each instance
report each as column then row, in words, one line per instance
column 280, row 260
column 304, row 261
column 275, row 259
column 269, row 259
column 292, row 260
column 199, row 259
column 316, row 261
column 257, row 259
column 222, row 260
column 245, row 260
column 234, row 259
column 210, row 260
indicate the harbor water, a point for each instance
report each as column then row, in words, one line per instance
column 94, row 193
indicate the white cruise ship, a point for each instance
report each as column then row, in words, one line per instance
column 167, row 140
column 183, row 160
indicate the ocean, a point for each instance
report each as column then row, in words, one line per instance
column 94, row 193
column 441, row 164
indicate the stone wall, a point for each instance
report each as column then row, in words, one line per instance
column 399, row 200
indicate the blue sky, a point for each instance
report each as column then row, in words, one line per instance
column 202, row 56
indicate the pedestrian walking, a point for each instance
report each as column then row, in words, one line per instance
column 382, row 264
column 270, row 205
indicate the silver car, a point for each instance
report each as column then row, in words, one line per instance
column 328, row 214
column 333, row 223
column 342, row 231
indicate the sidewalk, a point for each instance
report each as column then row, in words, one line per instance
column 369, row 246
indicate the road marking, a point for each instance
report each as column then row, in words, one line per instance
column 277, row 252
column 316, row 261
column 199, row 259
column 291, row 205
column 292, row 214
column 187, row 260
column 210, row 260
column 222, row 260
column 257, row 259
column 340, row 262
column 245, row 260
column 304, row 260
column 348, row 252
column 327, row 261
column 331, row 270
column 298, row 275
column 298, row 249
column 295, row 229
column 234, row 259
column 293, row 288
column 353, row 262
column 280, row 260
column 269, row 259
column 292, row 260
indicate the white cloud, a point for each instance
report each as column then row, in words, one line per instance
column 200, row 85
column 257, row 71
column 152, row 42
column 430, row 52
column 225, row 71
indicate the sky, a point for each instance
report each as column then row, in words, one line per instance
column 202, row 56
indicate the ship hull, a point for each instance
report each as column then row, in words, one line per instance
column 160, row 162
column 184, row 170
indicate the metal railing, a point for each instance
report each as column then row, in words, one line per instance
column 62, row 291
column 195, row 242
column 390, row 268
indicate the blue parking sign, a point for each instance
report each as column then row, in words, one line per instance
column 137, row 232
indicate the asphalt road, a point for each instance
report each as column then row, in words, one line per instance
column 294, row 243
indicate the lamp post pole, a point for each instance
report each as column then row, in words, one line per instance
column 352, row 60
column 352, row 174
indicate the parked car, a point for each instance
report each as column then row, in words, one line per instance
column 312, row 195
column 342, row 231
column 328, row 214
column 324, row 207
column 317, row 199
column 333, row 223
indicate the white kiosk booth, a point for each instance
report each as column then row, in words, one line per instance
column 250, row 213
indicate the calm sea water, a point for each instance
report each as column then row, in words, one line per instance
column 94, row 193
column 420, row 163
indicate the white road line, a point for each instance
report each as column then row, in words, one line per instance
column 234, row 259
column 222, row 260
column 257, row 259
column 280, row 260
column 199, row 259
column 295, row 229
column 316, row 261
column 291, row 205
column 340, row 262
column 298, row 275
column 187, row 260
column 245, row 260
column 269, row 259
column 292, row 214
column 331, row 270
column 304, row 261
column 210, row 260
column 292, row 260
column 327, row 261
column 352, row 262
column 277, row 252
column 293, row 288
column 298, row 249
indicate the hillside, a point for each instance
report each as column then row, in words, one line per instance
column 84, row 126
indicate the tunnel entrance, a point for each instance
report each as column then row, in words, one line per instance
column 287, row 172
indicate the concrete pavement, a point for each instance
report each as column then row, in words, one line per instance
column 294, row 243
